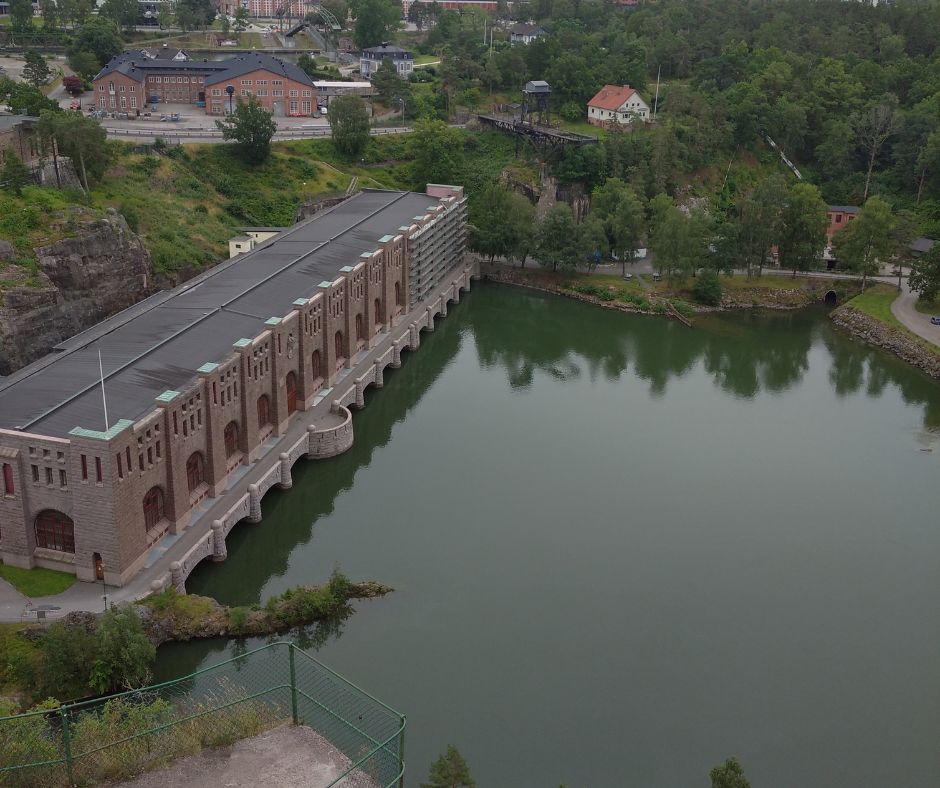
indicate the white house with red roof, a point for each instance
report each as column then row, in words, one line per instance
column 616, row 104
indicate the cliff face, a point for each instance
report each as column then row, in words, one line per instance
column 99, row 270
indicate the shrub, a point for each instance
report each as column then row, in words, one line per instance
column 707, row 288
column 237, row 620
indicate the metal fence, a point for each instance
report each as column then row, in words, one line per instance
column 119, row 736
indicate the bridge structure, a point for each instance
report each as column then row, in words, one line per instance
column 543, row 136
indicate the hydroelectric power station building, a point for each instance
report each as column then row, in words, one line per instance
column 215, row 388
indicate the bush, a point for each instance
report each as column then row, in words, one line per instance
column 572, row 112
column 707, row 288
column 237, row 620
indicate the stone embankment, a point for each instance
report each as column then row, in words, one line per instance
column 98, row 269
column 874, row 332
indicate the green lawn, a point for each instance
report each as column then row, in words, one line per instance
column 876, row 302
column 423, row 60
column 36, row 582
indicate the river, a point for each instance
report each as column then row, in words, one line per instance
column 624, row 550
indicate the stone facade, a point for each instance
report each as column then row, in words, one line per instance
column 117, row 493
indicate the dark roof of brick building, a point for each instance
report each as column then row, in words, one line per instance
column 136, row 64
column 158, row 344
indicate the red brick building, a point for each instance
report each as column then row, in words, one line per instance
column 839, row 217
column 133, row 81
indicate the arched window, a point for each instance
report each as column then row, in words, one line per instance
column 338, row 345
column 231, row 438
column 398, row 294
column 377, row 306
column 291, row 383
column 315, row 364
column 360, row 332
column 55, row 531
column 195, row 470
column 264, row 410
column 153, row 508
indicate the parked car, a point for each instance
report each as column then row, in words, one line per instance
column 628, row 275
column 656, row 277
column 935, row 320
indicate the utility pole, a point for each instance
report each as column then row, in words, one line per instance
column 656, row 100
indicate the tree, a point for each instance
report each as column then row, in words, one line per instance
column 803, row 228
column 349, row 122
column 21, row 15
column 374, row 20
column 925, row 274
column 14, row 175
column 873, row 127
column 24, row 99
column 437, row 152
column 81, row 138
column 68, row 657
column 73, row 85
column 621, row 214
column 450, row 770
column 252, row 127
column 36, row 72
column 85, row 64
column 755, row 228
column 557, row 239
column 124, row 13
column 502, row 224
column 50, row 14
column 868, row 240
column 99, row 36
column 125, row 654
column 678, row 241
column 241, row 19
column 707, row 288
column 729, row 775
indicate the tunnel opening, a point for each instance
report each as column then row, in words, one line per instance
column 831, row 298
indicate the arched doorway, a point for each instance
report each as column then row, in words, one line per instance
column 55, row 531
column 99, row 566
column 360, row 330
column 231, row 438
column 195, row 470
column 291, row 383
column 398, row 294
column 264, row 410
column 338, row 348
column 316, row 366
column 153, row 508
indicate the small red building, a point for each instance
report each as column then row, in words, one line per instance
column 839, row 217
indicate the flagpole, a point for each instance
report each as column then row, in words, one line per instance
column 104, row 399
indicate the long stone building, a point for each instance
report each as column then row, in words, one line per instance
column 200, row 381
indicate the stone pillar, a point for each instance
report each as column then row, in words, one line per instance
column 443, row 305
column 414, row 338
column 379, row 377
column 396, row 355
column 176, row 577
column 286, row 482
column 254, row 504
column 430, row 319
column 219, row 550
column 156, row 586
column 360, row 394
column 456, row 297
column 311, row 431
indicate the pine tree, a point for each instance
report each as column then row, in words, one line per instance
column 449, row 771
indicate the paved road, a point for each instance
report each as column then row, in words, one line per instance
column 904, row 310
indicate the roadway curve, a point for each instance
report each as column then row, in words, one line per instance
column 904, row 310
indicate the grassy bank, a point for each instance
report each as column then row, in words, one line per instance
column 876, row 303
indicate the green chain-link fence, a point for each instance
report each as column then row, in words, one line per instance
column 117, row 737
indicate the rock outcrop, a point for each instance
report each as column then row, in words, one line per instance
column 99, row 269
column 895, row 341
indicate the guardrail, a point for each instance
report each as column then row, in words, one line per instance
column 168, row 131
column 119, row 736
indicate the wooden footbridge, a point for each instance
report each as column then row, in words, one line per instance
column 540, row 135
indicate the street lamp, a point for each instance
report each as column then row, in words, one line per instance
column 402, row 102
column 231, row 91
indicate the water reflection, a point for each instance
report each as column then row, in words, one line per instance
column 744, row 353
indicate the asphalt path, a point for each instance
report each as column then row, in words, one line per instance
column 904, row 310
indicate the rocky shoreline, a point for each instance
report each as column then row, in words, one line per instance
column 742, row 298
column 874, row 332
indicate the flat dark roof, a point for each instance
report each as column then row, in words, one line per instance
column 158, row 344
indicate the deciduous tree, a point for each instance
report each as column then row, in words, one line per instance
column 925, row 274
column 437, row 152
column 873, row 128
column 868, row 240
column 557, row 239
column 374, row 20
column 252, row 127
column 125, row 654
column 99, row 36
column 803, row 229
column 729, row 775
column 349, row 122
column 35, row 71
column 14, row 175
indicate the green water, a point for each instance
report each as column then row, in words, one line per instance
column 624, row 550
